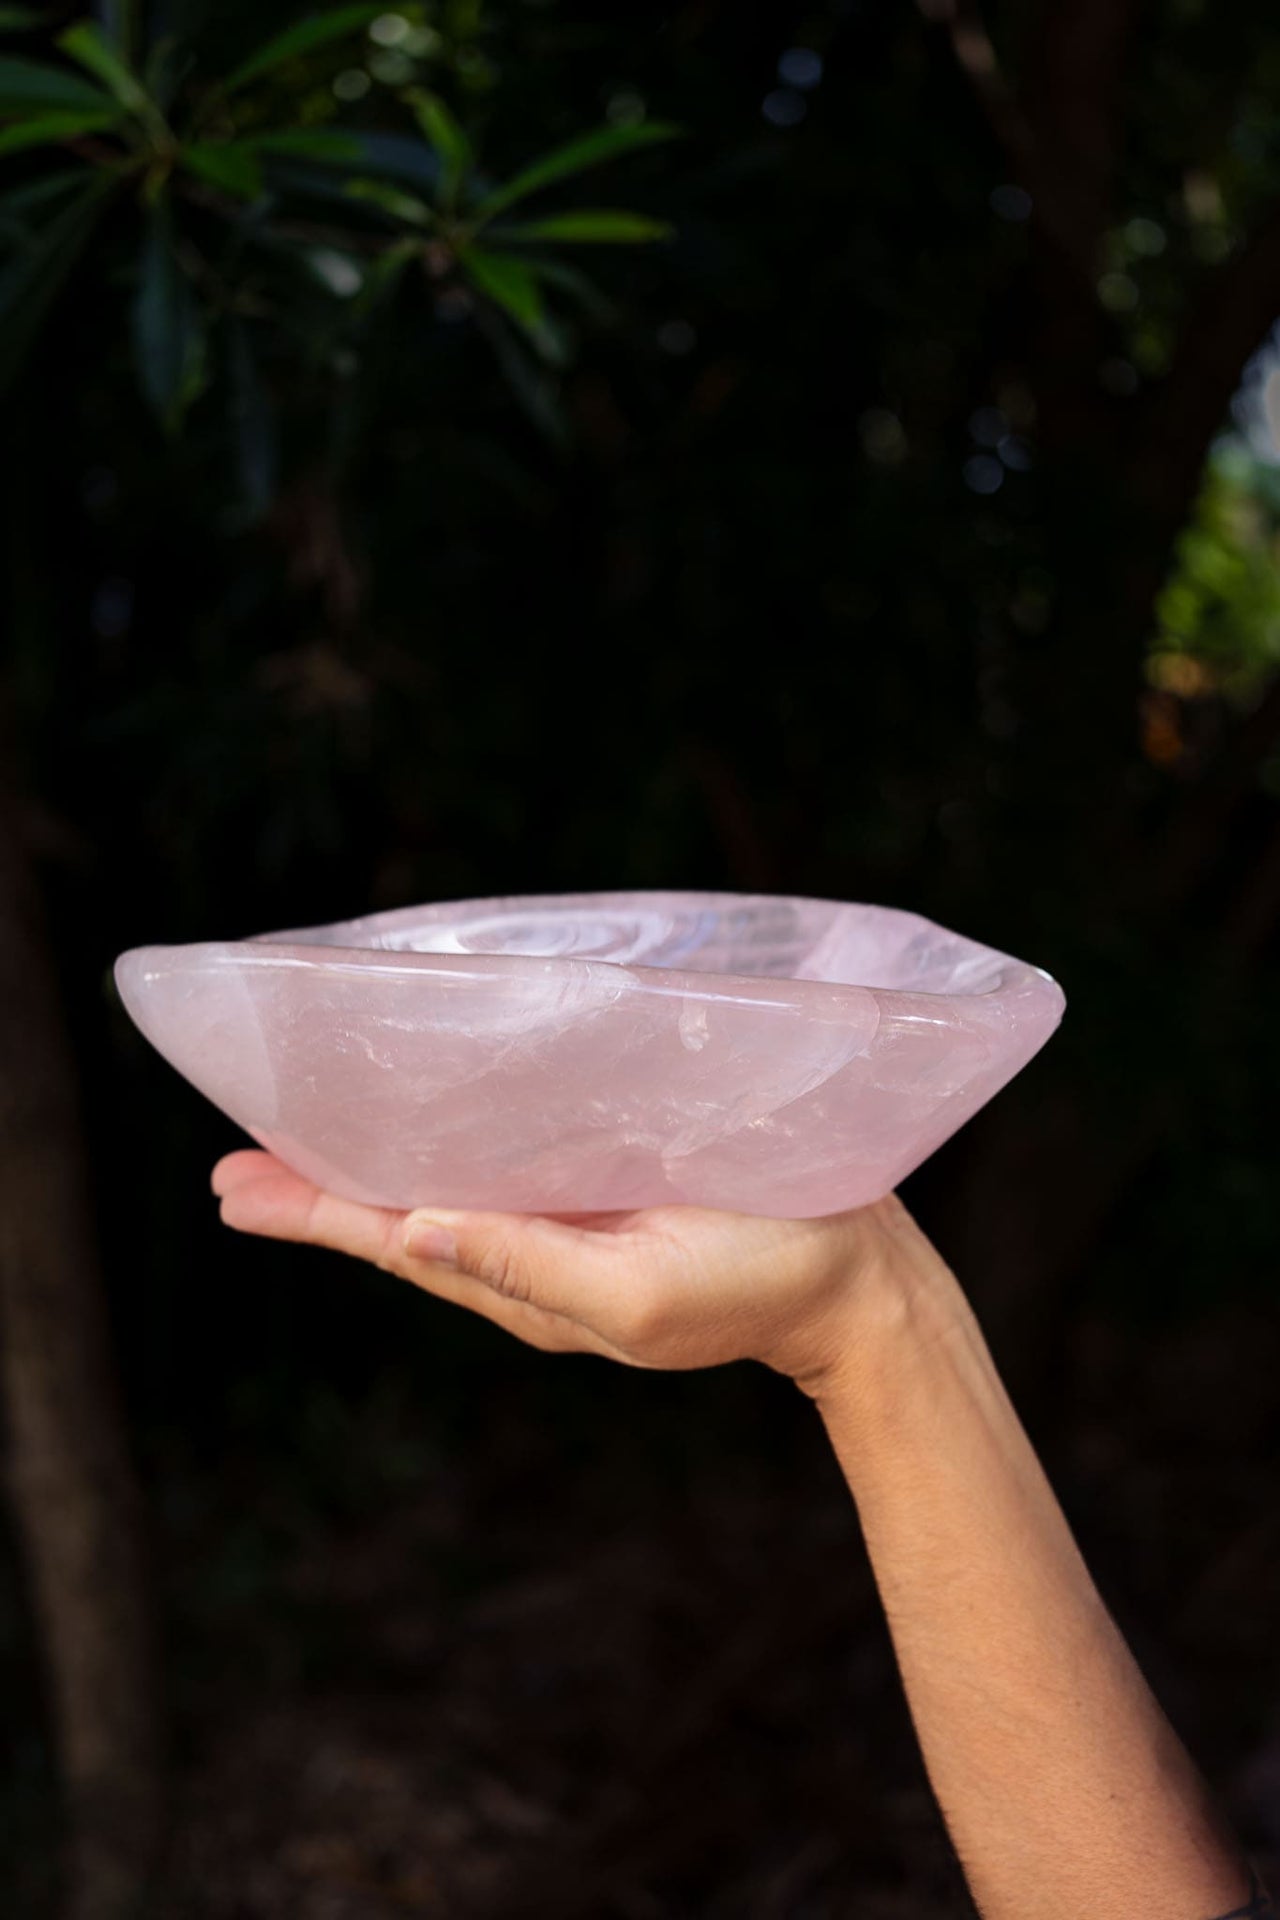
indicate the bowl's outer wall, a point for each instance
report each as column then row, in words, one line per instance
column 526, row 1082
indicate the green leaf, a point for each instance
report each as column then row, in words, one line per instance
column 32, row 197
column 507, row 282
column 19, row 19
column 567, row 279
column 393, row 201
column 254, row 425
column 168, row 326
column 590, row 225
column 167, row 65
column 386, row 273
column 38, row 268
column 319, row 30
column 34, row 83
column 536, row 391
column 589, row 150
column 512, row 285
column 445, row 138
column 87, row 43
column 230, row 165
column 50, row 129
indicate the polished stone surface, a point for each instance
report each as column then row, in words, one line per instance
column 599, row 1051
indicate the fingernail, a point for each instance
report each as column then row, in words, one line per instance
column 425, row 1240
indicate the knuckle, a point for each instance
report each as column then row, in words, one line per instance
column 389, row 1254
column 499, row 1265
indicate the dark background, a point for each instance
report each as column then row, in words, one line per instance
column 906, row 530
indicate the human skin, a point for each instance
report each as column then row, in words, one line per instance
column 1065, row 1789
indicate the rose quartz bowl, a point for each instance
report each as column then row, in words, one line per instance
column 599, row 1051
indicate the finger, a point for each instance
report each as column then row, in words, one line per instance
column 536, row 1326
column 234, row 1169
column 261, row 1195
column 529, row 1259
column 269, row 1199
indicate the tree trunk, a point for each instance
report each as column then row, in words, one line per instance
column 74, row 1499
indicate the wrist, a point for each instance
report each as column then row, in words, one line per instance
column 896, row 1295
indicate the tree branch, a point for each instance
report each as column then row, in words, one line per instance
column 1063, row 154
column 976, row 57
column 1236, row 310
column 1075, row 102
column 1256, row 910
column 75, row 1500
column 1200, row 826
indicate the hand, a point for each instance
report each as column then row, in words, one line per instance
column 670, row 1287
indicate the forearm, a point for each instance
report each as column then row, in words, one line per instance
column 1065, row 1790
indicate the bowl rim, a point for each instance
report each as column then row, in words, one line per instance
column 1013, row 977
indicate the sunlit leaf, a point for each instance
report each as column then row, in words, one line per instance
column 589, row 150
column 87, row 43
column 507, row 282
column 38, row 268
column 590, row 225
column 446, row 139
column 168, row 326
column 254, row 425
column 230, row 165
column 318, row 30
column 34, row 83
column 51, row 129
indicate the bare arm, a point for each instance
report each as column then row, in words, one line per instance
column 1065, row 1789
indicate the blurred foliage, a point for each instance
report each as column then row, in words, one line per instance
column 259, row 211
column 1219, row 612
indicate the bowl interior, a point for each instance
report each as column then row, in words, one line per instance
column 764, row 936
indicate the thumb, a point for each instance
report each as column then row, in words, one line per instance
column 523, row 1257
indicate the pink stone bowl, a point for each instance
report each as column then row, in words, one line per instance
column 599, row 1051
